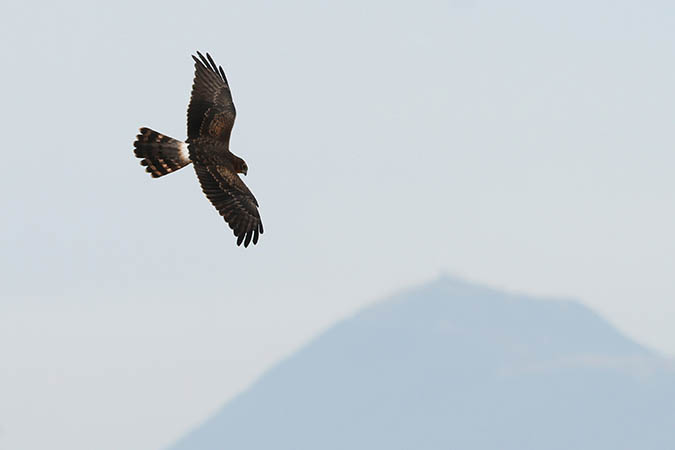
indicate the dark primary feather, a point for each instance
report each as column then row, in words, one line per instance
column 233, row 200
column 211, row 112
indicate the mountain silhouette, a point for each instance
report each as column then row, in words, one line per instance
column 453, row 365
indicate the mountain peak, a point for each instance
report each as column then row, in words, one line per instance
column 451, row 364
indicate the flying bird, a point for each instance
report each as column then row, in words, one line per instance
column 210, row 118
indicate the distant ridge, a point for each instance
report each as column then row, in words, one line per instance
column 454, row 365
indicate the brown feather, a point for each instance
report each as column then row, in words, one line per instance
column 159, row 153
column 211, row 111
column 230, row 196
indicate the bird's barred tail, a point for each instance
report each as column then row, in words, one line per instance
column 160, row 154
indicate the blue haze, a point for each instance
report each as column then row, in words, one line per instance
column 454, row 365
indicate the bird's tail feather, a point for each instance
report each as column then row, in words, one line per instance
column 160, row 154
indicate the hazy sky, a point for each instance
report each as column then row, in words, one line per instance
column 527, row 146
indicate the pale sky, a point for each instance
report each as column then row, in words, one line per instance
column 528, row 147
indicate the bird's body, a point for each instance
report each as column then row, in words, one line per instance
column 211, row 115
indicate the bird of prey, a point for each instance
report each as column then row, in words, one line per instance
column 210, row 118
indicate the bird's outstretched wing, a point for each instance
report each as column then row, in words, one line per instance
column 233, row 200
column 211, row 111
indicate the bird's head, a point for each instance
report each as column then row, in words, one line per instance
column 241, row 166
